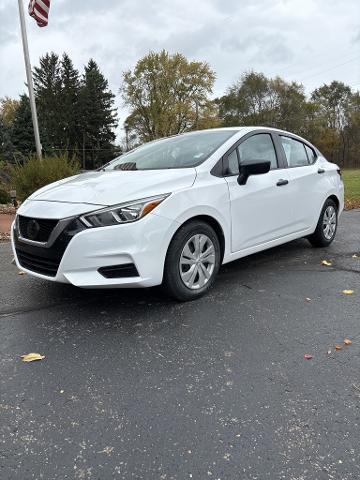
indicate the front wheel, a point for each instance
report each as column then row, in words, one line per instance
column 192, row 261
column 327, row 225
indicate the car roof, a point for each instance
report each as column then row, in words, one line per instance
column 250, row 128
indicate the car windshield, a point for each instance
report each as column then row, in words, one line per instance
column 181, row 151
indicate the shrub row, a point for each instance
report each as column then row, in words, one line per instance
column 32, row 174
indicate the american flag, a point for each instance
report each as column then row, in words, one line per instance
column 39, row 9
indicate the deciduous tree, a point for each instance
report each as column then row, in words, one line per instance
column 167, row 95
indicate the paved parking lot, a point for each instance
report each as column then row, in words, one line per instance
column 136, row 386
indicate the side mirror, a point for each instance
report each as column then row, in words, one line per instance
column 252, row 167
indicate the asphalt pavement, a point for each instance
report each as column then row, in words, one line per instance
column 137, row 386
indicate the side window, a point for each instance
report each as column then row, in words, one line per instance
column 258, row 147
column 311, row 154
column 295, row 152
column 233, row 164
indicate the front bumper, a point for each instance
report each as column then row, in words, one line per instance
column 143, row 244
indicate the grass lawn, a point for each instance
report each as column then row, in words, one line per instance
column 351, row 179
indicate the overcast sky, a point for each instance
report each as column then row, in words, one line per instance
column 311, row 41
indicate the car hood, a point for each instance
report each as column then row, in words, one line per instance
column 111, row 188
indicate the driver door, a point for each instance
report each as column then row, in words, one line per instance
column 260, row 209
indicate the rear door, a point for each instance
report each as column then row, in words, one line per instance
column 306, row 181
column 259, row 209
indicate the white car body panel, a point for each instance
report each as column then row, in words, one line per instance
column 106, row 188
column 252, row 217
column 252, row 210
column 54, row 209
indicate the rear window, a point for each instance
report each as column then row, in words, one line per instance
column 295, row 152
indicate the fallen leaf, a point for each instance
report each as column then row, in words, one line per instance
column 329, row 352
column 348, row 292
column 308, row 356
column 347, row 341
column 355, row 256
column 308, row 299
column 32, row 357
column 20, row 272
column 326, row 263
column 338, row 346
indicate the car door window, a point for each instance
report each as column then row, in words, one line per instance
column 258, row 147
column 295, row 152
column 311, row 154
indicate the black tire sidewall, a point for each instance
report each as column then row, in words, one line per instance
column 318, row 239
column 328, row 203
column 172, row 279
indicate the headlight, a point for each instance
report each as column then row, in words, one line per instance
column 123, row 213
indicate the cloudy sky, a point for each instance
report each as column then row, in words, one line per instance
column 311, row 41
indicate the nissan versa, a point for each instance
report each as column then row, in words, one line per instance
column 172, row 211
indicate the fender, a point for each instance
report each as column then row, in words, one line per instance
column 206, row 200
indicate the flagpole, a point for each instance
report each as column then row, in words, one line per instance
column 29, row 79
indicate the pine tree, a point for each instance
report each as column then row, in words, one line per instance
column 47, row 85
column 22, row 133
column 69, row 112
column 97, row 117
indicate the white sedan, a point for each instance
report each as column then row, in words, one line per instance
column 172, row 211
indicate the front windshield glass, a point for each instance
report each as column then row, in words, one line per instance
column 181, row 151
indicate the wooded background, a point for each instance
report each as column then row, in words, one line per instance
column 166, row 95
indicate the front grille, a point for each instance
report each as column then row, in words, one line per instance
column 36, row 229
column 119, row 271
column 43, row 260
column 38, row 264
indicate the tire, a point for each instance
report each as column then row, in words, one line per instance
column 325, row 234
column 184, row 254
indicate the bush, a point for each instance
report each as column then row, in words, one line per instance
column 34, row 174
column 4, row 197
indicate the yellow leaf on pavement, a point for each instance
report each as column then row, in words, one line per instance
column 338, row 347
column 348, row 292
column 327, row 263
column 32, row 357
column 347, row 341
column 20, row 272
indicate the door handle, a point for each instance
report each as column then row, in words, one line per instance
column 321, row 170
column 282, row 182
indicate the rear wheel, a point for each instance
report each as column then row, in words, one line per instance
column 192, row 261
column 327, row 225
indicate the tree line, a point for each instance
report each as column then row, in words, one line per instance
column 166, row 95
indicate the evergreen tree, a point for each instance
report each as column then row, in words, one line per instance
column 69, row 112
column 48, row 89
column 97, row 117
column 22, row 132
